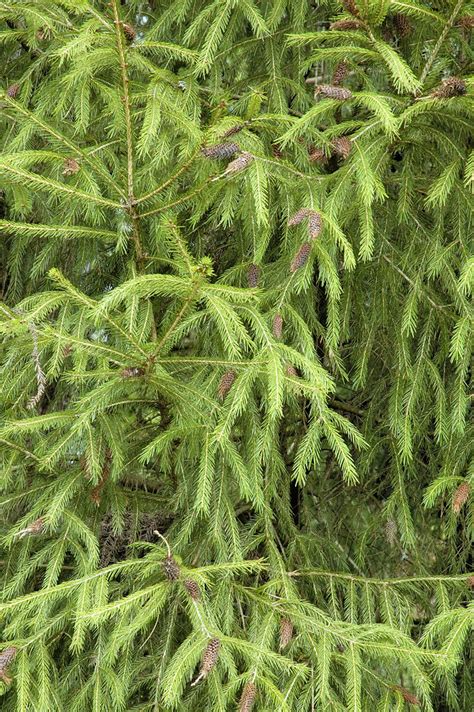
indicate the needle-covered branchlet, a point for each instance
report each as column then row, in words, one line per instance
column 277, row 326
column 253, row 275
column 225, row 384
column 450, row 88
column 220, row 150
column 40, row 375
column 209, row 659
column 329, row 91
column 247, row 699
column 6, row 657
column 286, row 632
column 460, row 496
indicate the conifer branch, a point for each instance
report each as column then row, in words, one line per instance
column 439, row 44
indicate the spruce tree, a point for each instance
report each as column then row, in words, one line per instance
column 236, row 328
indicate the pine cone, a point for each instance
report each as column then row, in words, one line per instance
column 350, row 6
column 299, row 216
column 402, row 25
column 301, row 257
column 6, row 657
column 470, row 582
column 132, row 372
column 247, row 698
column 239, row 163
column 345, row 25
column 277, row 326
column 129, row 31
column 253, row 275
column 291, row 371
column 286, row 632
column 466, row 21
column 171, row 568
column 461, row 496
column 220, row 150
column 226, row 383
column 276, row 151
column 449, row 88
column 13, row 90
column 233, row 130
column 315, row 225
column 407, row 695
column 71, row 166
column 332, row 92
column 209, row 659
column 391, row 531
column 317, row 155
column 35, row 527
column 342, row 146
column 340, row 73
column 193, row 589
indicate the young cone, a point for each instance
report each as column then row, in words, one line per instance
column 247, row 698
column 315, row 225
column 333, row 92
column 71, row 166
column 13, row 90
column 171, row 568
column 299, row 216
column 291, row 371
column 460, row 496
column 193, row 589
column 301, row 257
column 233, row 130
column 402, row 25
column 277, row 326
column 317, row 155
column 6, row 657
column 35, row 527
column 226, row 383
column 286, row 632
column 253, row 275
column 129, row 31
column 407, row 695
column 209, row 659
column 350, row 6
column 450, row 88
column 239, row 163
column 345, row 25
column 342, row 146
column 340, row 73
column 220, row 150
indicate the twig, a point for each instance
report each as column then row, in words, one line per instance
column 439, row 44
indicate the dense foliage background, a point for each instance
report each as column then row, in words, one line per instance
column 236, row 329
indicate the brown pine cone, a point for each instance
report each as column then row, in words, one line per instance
column 220, row 150
column 132, row 372
column 466, row 22
column 402, row 25
column 247, row 698
column 460, row 496
column 345, row 25
column 340, row 73
column 171, row 568
column 277, row 327
column 301, row 257
column 342, row 146
column 253, row 275
column 193, row 589
column 71, row 166
column 315, row 225
column 407, row 695
column 350, row 6
column 129, row 31
column 239, row 163
column 450, row 88
column 6, row 657
column 317, row 155
column 13, row 90
column 333, row 92
column 226, row 383
column 299, row 216
column 286, row 632
column 209, row 659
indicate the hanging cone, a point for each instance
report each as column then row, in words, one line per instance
column 193, row 589
column 460, row 496
column 253, row 275
column 247, row 698
column 333, row 92
column 450, row 88
column 301, row 257
column 340, row 73
column 6, row 657
column 226, row 383
column 286, row 632
column 277, row 327
column 209, row 659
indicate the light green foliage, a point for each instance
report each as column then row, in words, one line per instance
column 218, row 413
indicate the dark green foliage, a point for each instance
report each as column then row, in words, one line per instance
column 236, row 455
